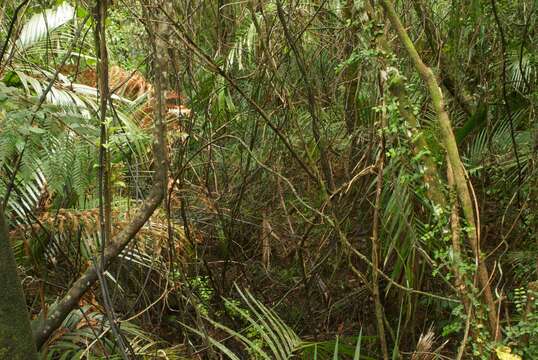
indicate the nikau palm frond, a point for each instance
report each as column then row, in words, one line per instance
column 41, row 25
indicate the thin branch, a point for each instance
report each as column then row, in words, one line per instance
column 10, row 32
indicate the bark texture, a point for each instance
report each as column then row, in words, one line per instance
column 16, row 342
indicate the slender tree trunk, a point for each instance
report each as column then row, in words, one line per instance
column 376, row 249
column 456, row 241
column 534, row 191
column 105, row 194
column 449, row 141
column 45, row 328
column 16, row 341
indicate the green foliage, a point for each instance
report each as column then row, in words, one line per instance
column 475, row 121
column 87, row 335
column 124, row 40
column 522, row 334
column 249, row 179
column 204, row 293
column 55, row 147
column 268, row 337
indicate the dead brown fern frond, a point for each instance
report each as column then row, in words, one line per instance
column 424, row 347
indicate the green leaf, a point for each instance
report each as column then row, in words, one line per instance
column 357, row 355
column 40, row 25
column 335, row 354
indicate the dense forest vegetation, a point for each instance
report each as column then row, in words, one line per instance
column 269, row 179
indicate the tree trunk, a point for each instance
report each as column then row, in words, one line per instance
column 448, row 139
column 16, row 341
column 45, row 328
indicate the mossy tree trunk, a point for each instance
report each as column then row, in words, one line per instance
column 16, row 341
column 461, row 181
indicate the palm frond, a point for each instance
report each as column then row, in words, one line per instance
column 275, row 339
column 41, row 25
column 86, row 334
